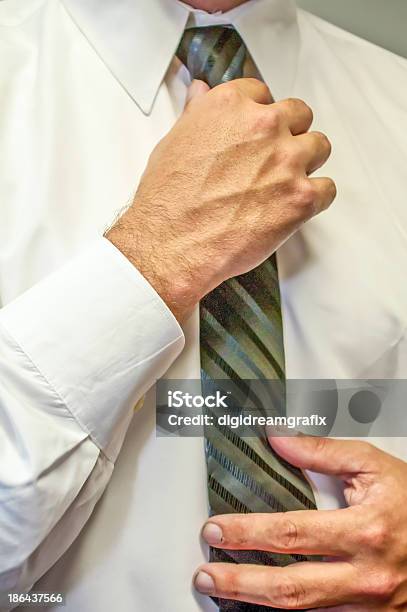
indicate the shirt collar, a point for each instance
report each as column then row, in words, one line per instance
column 138, row 38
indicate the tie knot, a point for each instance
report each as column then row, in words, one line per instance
column 214, row 54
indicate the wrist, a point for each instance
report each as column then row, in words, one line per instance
column 168, row 273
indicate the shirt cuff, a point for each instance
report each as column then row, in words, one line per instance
column 100, row 335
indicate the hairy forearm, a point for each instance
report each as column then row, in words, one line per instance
column 166, row 273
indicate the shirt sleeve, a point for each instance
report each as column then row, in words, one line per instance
column 77, row 352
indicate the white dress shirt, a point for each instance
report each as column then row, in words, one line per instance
column 87, row 88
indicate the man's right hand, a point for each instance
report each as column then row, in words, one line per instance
column 223, row 190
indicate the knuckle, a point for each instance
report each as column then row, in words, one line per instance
column 294, row 154
column 262, row 121
column 240, row 532
column 263, row 89
column 286, row 159
column 380, row 585
column 297, row 102
column 306, row 197
column 325, row 142
column 287, row 532
column 275, row 116
column 232, row 584
column 228, row 93
column 376, row 535
column 321, row 445
column 308, row 110
column 288, row 593
column 300, row 106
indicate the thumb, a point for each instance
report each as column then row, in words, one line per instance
column 327, row 455
column 196, row 90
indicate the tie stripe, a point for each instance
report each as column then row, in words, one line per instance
column 278, row 478
column 232, row 307
column 241, row 336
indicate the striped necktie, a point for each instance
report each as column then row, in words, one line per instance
column 241, row 339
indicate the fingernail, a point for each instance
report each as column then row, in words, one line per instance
column 204, row 583
column 212, row 534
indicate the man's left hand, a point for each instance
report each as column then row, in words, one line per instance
column 364, row 545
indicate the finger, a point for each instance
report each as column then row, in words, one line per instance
column 301, row 585
column 196, row 90
column 329, row 533
column 315, row 148
column 298, row 115
column 326, row 455
column 257, row 90
column 324, row 190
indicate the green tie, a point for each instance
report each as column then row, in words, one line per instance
column 242, row 339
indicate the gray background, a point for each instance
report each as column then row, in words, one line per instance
column 383, row 22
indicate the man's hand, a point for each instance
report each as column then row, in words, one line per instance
column 223, row 190
column 365, row 545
